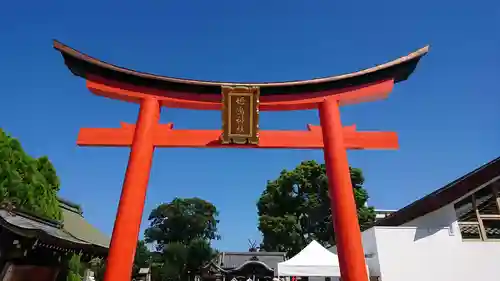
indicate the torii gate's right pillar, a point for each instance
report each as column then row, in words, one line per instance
column 342, row 203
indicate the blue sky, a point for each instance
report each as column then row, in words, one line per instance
column 444, row 114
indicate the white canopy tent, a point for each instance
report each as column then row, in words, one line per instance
column 313, row 260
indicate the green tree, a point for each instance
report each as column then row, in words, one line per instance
column 181, row 232
column 142, row 257
column 28, row 183
column 31, row 184
column 75, row 269
column 294, row 209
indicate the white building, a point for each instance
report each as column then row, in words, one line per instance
column 452, row 234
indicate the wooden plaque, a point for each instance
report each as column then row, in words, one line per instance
column 240, row 115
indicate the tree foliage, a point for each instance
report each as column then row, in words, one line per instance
column 75, row 269
column 294, row 209
column 31, row 184
column 142, row 257
column 181, row 232
column 28, row 183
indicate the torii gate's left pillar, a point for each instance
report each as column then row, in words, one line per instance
column 128, row 220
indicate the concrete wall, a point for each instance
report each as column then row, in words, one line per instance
column 370, row 249
column 430, row 248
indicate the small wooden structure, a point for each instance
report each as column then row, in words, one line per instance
column 38, row 249
column 144, row 274
column 242, row 266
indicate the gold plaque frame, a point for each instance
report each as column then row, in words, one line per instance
column 230, row 98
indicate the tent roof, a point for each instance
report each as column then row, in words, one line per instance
column 313, row 260
column 313, row 254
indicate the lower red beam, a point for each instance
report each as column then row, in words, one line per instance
column 166, row 136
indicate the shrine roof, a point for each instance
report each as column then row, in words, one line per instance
column 77, row 226
column 447, row 194
column 88, row 67
column 73, row 232
column 237, row 260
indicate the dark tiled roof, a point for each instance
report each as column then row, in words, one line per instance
column 231, row 260
column 73, row 232
column 25, row 225
column 77, row 226
column 444, row 196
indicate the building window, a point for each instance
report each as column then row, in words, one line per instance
column 479, row 215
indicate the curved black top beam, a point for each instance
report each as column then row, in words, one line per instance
column 86, row 66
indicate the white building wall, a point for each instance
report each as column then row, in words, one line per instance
column 370, row 250
column 430, row 248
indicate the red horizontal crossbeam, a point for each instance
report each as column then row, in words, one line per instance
column 166, row 136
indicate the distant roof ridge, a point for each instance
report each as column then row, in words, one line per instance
column 70, row 206
column 385, row 210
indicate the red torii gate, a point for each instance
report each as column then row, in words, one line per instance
column 153, row 91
